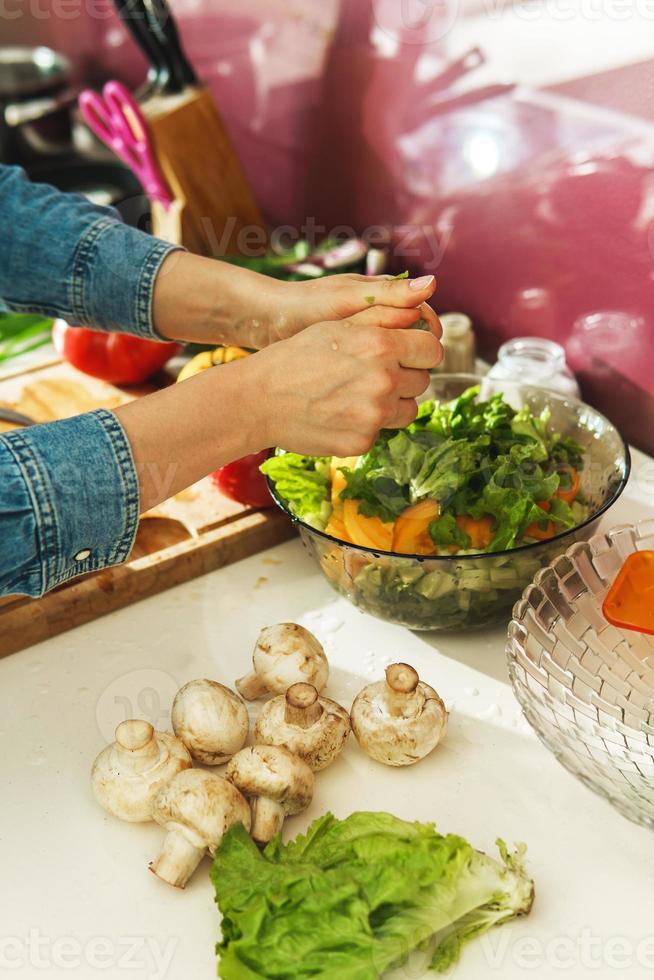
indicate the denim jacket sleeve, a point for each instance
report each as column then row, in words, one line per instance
column 62, row 256
column 69, row 501
column 69, row 493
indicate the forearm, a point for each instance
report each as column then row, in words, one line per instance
column 62, row 256
column 183, row 432
column 208, row 301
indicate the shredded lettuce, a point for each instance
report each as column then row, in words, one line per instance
column 303, row 483
column 353, row 898
column 475, row 457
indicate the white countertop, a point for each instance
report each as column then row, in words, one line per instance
column 76, row 896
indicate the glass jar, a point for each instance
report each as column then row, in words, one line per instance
column 535, row 361
column 459, row 345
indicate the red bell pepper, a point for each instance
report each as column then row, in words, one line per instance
column 117, row 358
column 242, row 481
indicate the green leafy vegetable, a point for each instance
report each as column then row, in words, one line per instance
column 21, row 333
column 353, row 898
column 475, row 457
column 303, row 482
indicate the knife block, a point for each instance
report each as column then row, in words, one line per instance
column 218, row 214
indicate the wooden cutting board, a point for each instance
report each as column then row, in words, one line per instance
column 194, row 532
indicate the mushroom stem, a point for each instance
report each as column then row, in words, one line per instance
column 250, row 687
column 401, row 684
column 267, row 819
column 178, row 859
column 302, row 706
column 138, row 745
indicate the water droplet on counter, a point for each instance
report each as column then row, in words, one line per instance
column 492, row 711
column 471, row 692
column 43, row 688
column 332, row 625
column 36, row 758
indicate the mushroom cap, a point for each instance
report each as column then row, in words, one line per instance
column 318, row 744
column 127, row 775
column 287, row 653
column 404, row 738
column 272, row 772
column 200, row 805
column 211, row 720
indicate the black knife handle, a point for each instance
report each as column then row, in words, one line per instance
column 163, row 27
column 133, row 15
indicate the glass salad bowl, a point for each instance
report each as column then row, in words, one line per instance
column 456, row 592
column 586, row 687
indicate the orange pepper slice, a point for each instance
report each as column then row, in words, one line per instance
column 479, row 530
column 369, row 532
column 411, row 534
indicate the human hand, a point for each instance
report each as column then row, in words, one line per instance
column 330, row 389
column 199, row 299
column 299, row 304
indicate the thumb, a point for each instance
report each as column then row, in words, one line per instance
column 387, row 291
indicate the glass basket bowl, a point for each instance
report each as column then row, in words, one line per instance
column 470, row 591
column 586, row 687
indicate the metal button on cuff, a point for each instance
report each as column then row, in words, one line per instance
column 83, row 554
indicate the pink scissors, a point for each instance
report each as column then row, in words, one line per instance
column 117, row 120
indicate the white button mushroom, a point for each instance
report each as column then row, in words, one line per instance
column 312, row 727
column 400, row 720
column 196, row 808
column 127, row 774
column 284, row 654
column 276, row 782
column 211, row 721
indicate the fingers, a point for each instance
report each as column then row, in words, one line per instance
column 428, row 315
column 404, row 412
column 386, row 316
column 411, row 383
column 362, row 291
column 418, row 349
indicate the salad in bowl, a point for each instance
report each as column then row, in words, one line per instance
column 441, row 524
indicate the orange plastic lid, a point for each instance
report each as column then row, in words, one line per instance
column 630, row 600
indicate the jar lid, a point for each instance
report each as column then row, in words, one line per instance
column 455, row 324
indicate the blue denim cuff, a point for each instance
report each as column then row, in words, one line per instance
column 113, row 275
column 84, row 491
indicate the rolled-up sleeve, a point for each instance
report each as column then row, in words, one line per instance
column 62, row 256
column 69, row 502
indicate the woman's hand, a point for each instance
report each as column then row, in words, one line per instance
column 326, row 391
column 332, row 387
column 300, row 304
column 210, row 302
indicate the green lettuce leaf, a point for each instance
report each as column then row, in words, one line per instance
column 352, row 898
column 303, row 483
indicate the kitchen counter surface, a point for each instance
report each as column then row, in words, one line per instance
column 77, row 898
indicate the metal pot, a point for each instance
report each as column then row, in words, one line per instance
column 36, row 99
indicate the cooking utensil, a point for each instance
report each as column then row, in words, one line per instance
column 8, row 415
column 164, row 31
column 36, row 99
column 195, row 153
column 586, row 687
column 116, row 119
column 160, row 77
